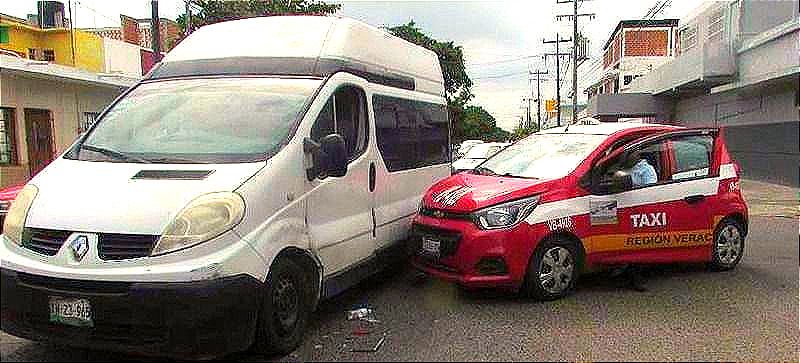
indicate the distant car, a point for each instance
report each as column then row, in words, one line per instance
column 465, row 146
column 7, row 196
column 477, row 154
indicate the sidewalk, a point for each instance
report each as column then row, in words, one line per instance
column 772, row 200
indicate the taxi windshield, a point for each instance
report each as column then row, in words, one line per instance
column 542, row 156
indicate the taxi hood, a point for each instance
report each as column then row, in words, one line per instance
column 125, row 197
column 467, row 192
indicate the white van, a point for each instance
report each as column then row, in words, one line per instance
column 264, row 165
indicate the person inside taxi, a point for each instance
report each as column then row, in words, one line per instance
column 642, row 173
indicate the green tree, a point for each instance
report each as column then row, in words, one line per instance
column 457, row 84
column 215, row 11
column 521, row 132
column 477, row 123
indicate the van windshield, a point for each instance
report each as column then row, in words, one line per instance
column 219, row 120
column 542, row 156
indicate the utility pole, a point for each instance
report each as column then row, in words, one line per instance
column 558, row 72
column 188, row 17
column 538, row 96
column 575, row 46
column 155, row 30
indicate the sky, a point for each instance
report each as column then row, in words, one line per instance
column 502, row 40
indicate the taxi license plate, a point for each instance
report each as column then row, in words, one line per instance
column 76, row 312
column 431, row 247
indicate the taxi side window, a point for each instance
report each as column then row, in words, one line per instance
column 646, row 165
column 692, row 157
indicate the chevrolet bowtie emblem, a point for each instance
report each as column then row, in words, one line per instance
column 79, row 246
column 449, row 197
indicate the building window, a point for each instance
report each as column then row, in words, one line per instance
column 716, row 24
column 688, row 38
column 33, row 54
column 4, row 39
column 8, row 147
column 628, row 80
column 88, row 120
column 49, row 55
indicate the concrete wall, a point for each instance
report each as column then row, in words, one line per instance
column 762, row 126
column 122, row 57
column 66, row 101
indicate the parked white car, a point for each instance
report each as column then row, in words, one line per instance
column 217, row 201
column 465, row 146
column 477, row 154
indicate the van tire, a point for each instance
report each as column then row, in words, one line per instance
column 562, row 251
column 728, row 247
column 285, row 309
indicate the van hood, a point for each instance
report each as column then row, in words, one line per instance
column 467, row 192
column 125, row 197
column 466, row 164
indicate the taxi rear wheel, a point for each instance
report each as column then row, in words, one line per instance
column 728, row 245
column 553, row 269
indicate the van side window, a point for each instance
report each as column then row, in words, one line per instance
column 692, row 156
column 411, row 134
column 345, row 113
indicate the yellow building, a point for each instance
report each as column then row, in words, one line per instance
column 62, row 46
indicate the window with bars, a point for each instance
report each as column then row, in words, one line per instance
column 88, row 120
column 48, row 55
column 8, row 149
column 688, row 38
column 716, row 24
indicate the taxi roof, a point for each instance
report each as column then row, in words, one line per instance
column 603, row 128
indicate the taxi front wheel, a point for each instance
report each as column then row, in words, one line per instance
column 553, row 269
column 728, row 245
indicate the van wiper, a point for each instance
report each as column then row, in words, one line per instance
column 174, row 160
column 114, row 154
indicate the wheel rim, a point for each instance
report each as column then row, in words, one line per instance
column 556, row 270
column 286, row 302
column 729, row 245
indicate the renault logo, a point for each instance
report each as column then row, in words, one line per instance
column 79, row 246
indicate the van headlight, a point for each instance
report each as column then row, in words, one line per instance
column 505, row 215
column 204, row 218
column 14, row 223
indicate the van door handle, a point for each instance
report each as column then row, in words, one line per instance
column 372, row 172
column 694, row 198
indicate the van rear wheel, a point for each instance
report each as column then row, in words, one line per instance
column 285, row 309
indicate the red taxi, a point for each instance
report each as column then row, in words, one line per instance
column 538, row 213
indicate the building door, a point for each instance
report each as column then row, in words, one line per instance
column 39, row 131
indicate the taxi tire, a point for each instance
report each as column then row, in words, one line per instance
column 269, row 338
column 716, row 264
column 533, row 287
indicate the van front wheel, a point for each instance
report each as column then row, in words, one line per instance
column 285, row 309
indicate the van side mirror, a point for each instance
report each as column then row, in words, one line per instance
column 329, row 156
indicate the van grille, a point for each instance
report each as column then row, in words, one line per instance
column 44, row 241
column 124, row 246
column 111, row 246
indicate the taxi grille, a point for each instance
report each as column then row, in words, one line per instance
column 111, row 246
column 449, row 239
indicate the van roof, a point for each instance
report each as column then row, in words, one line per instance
column 304, row 46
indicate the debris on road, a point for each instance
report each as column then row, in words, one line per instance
column 362, row 314
column 366, row 345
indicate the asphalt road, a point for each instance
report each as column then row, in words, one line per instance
column 688, row 313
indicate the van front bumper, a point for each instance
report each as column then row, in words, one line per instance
column 196, row 320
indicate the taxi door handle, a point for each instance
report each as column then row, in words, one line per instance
column 694, row 198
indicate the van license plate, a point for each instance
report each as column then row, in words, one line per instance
column 76, row 312
column 431, row 247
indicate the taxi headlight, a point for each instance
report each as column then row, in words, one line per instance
column 14, row 223
column 204, row 218
column 506, row 214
